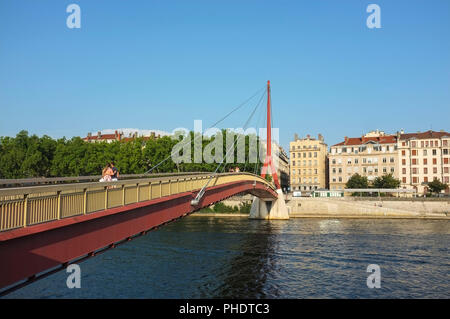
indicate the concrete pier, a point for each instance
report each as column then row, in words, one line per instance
column 276, row 209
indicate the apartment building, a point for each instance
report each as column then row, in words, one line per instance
column 423, row 157
column 373, row 154
column 308, row 167
column 281, row 162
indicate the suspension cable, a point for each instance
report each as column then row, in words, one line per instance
column 200, row 194
column 213, row 125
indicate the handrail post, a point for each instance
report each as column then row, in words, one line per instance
column 150, row 191
column 85, row 201
column 106, row 197
column 58, row 217
column 137, row 193
column 25, row 210
column 123, row 194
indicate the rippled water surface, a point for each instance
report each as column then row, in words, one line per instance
column 206, row 257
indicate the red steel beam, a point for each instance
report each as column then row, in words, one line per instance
column 26, row 252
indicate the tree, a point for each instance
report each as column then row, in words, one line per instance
column 436, row 186
column 357, row 181
column 386, row 181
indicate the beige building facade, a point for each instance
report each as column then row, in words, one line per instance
column 308, row 169
column 423, row 157
column 373, row 154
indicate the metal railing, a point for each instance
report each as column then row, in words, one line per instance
column 26, row 206
column 78, row 179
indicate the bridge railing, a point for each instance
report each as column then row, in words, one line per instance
column 81, row 179
column 26, row 206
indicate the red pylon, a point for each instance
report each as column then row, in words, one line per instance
column 269, row 161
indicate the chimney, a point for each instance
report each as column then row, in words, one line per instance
column 320, row 137
column 308, row 136
column 99, row 134
column 89, row 134
column 346, row 139
column 295, row 137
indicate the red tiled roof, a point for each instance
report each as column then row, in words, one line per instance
column 102, row 137
column 387, row 139
column 424, row 135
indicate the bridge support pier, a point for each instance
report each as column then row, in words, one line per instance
column 275, row 209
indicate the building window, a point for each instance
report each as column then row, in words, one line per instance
column 414, row 170
column 315, row 154
column 425, row 179
column 414, row 180
column 446, row 170
column 434, row 170
column 384, row 170
column 413, row 144
column 434, row 161
column 392, row 170
column 445, row 143
column 404, row 170
column 446, row 160
column 425, row 153
column 434, row 152
column 392, row 159
column 414, row 161
column 403, row 162
column 445, row 151
column 340, row 179
column 404, row 180
column 334, row 170
column 384, row 160
column 425, row 161
column 414, row 153
column 333, row 161
column 425, row 170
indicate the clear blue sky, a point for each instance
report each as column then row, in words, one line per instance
column 162, row 64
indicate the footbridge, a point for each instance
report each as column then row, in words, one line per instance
column 45, row 228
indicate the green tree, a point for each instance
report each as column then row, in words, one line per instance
column 436, row 186
column 386, row 181
column 357, row 181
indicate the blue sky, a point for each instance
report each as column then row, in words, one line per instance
column 162, row 64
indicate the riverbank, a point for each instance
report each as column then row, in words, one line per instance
column 351, row 208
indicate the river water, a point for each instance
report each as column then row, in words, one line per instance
column 232, row 257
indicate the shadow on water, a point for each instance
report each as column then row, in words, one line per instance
column 247, row 272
